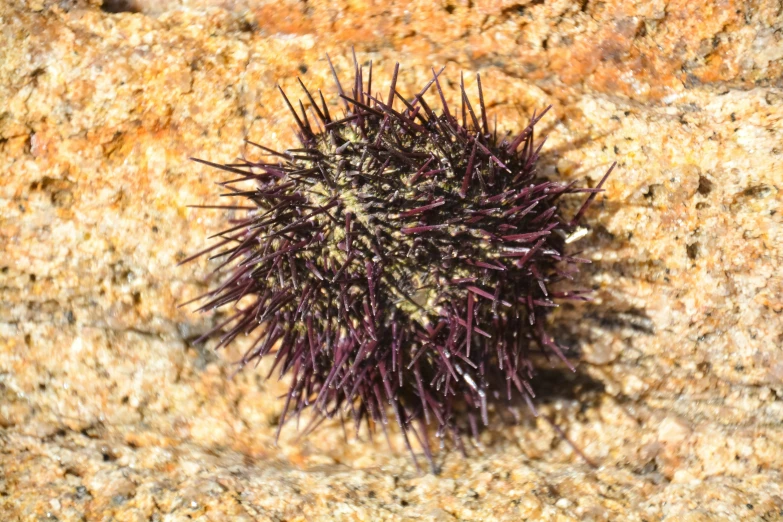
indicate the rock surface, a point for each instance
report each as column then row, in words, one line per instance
column 108, row 411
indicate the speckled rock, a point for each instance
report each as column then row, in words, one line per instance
column 109, row 411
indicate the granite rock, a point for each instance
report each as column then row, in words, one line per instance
column 109, row 411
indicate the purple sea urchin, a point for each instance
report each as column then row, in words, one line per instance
column 400, row 262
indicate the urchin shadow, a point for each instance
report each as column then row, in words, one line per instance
column 575, row 323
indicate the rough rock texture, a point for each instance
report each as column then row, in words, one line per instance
column 108, row 411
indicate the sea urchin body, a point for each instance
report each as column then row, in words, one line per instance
column 398, row 264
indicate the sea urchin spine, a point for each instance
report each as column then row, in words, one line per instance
column 399, row 262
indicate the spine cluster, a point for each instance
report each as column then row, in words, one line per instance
column 399, row 262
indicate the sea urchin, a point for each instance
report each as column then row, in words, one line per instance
column 398, row 263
